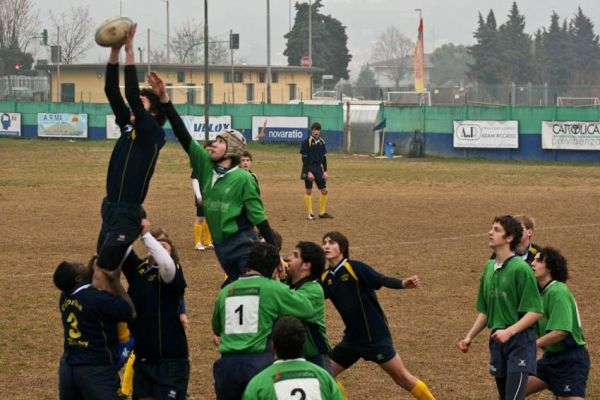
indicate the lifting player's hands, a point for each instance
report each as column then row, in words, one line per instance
column 129, row 38
column 158, row 87
column 464, row 344
column 413, row 282
column 145, row 226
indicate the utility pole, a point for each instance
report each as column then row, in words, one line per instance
column 310, row 30
column 148, row 55
column 168, row 35
column 206, row 85
column 58, row 85
column 268, row 52
column 232, row 75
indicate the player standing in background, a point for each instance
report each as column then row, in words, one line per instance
column 351, row 285
column 202, row 237
column 508, row 303
column 291, row 376
column 231, row 199
column 246, row 163
column 305, row 267
column 243, row 318
column 89, row 317
column 565, row 365
column 314, row 169
column 157, row 286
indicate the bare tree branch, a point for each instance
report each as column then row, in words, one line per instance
column 394, row 48
column 18, row 22
column 75, row 32
column 188, row 45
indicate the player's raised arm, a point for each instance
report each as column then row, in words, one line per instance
column 132, row 89
column 111, row 88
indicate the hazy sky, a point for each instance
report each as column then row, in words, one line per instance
column 445, row 20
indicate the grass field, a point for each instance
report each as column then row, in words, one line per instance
column 402, row 216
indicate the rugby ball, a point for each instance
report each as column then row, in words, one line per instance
column 113, row 31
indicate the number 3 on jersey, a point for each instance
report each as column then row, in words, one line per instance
column 241, row 314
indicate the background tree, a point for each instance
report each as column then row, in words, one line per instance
column 188, row 46
column 366, row 85
column 450, row 63
column 553, row 53
column 515, row 55
column 586, row 49
column 75, row 33
column 329, row 42
column 396, row 49
column 18, row 22
column 13, row 61
column 484, row 68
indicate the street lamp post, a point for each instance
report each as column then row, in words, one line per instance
column 168, row 34
column 206, row 86
column 268, row 52
column 310, row 30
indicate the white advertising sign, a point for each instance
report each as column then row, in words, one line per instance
column 571, row 135
column 486, row 134
column 62, row 125
column 279, row 129
column 112, row 129
column 10, row 124
column 216, row 123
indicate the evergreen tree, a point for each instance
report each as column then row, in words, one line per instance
column 484, row 68
column 515, row 55
column 557, row 53
column 449, row 64
column 329, row 42
column 586, row 49
column 366, row 84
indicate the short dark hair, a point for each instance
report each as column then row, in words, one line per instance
column 263, row 258
column 341, row 240
column 512, row 227
column 314, row 254
column 316, row 126
column 66, row 274
column 289, row 336
column 246, row 153
column 155, row 105
column 556, row 263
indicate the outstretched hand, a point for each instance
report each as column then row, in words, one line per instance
column 158, row 87
column 129, row 39
column 413, row 282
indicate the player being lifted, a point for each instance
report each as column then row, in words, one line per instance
column 231, row 200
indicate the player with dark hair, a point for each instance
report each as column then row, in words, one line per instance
column 231, row 199
column 314, row 169
column 305, row 267
column 89, row 317
column 246, row 163
column 291, row 376
column 157, row 286
column 243, row 318
column 351, row 285
column 132, row 162
column 509, row 304
column 565, row 365
column 526, row 249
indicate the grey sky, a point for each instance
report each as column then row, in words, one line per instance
column 445, row 20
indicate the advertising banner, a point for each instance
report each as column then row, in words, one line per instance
column 571, row 135
column 62, row 125
column 486, row 134
column 279, row 129
column 216, row 123
column 10, row 124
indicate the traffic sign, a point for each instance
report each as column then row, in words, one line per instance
column 306, row 61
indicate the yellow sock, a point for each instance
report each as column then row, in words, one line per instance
column 123, row 332
column 197, row 232
column 421, row 391
column 322, row 204
column 342, row 389
column 127, row 382
column 308, row 202
column 207, row 236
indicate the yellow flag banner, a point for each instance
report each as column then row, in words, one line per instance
column 419, row 61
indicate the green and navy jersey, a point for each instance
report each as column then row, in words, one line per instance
column 560, row 314
column 134, row 156
column 507, row 291
column 293, row 379
column 245, row 311
column 316, row 333
column 89, row 318
column 232, row 203
column 351, row 287
column 158, row 331
column 313, row 154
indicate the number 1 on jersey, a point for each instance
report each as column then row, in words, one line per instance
column 241, row 314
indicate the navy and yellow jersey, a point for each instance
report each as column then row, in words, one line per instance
column 136, row 151
column 313, row 154
column 528, row 256
column 89, row 318
column 158, row 331
column 351, row 287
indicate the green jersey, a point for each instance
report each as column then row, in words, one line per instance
column 560, row 314
column 246, row 310
column 293, row 379
column 316, row 333
column 507, row 292
column 231, row 201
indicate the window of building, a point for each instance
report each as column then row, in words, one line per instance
column 191, row 94
column 170, row 90
column 180, row 76
column 250, row 92
column 237, row 76
column 67, row 92
column 292, row 91
column 141, row 75
column 262, row 77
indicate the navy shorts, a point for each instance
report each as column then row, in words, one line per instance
column 318, row 174
column 121, row 226
column 322, row 360
column 347, row 352
column 233, row 371
column 234, row 252
column 93, row 382
column 566, row 372
column 515, row 356
column 199, row 209
column 165, row 379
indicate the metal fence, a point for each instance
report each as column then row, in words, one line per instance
column 21, row 87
